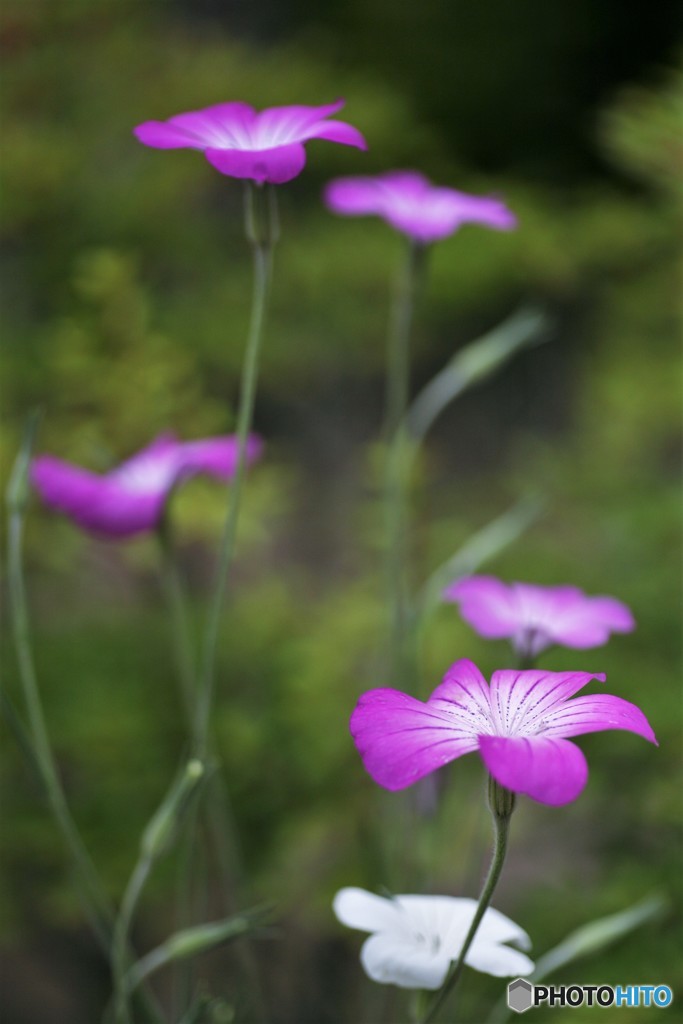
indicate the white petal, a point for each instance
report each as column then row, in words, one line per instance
column 358, row 908
column 447, row 917
column 500, row 961
column 496, row 927
column 392, row 959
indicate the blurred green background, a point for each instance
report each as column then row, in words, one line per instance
column 126, row 282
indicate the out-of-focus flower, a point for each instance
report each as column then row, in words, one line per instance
column 534, row 617
column 415, row 938
column 519, row 725
column 411, row 204
column 244, row 143
column 131, row 498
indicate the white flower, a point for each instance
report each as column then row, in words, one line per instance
column 415, row 938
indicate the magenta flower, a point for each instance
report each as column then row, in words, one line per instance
column 412, row 205
column 238, row 141
column 131, row 498
column 534, row 617
column 519, row 725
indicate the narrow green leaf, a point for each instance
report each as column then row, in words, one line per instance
column 472, row 364
column 165, row 822
column 592, row 938
column 190, row 942
column 18, row 486
column 480, row 548
column 588, row 940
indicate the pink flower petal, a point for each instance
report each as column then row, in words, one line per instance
column 479, row 209
column 224, row 124
column 239, row 142
column 62, row 485
column 465, row 689
column 519, row 723
column 232, row 124
column 522, row 700
column 589, row 621
column 401, row 739
column 217, row 456
column 272, row 165
column 614, row 614
column 486, row 604
column 534, row 617
column 337, row 131
column 549, row 770
column 593, row 713
column 93, row 502
column 412, row 205
column 131, row 498
column 352, row 196
column 163, row 135
column 278, row 126
column 152, row 469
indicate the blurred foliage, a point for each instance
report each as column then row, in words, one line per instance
column 643, row 134
column 126, row 284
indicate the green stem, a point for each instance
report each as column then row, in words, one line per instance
column 180, row 627
column 23, row 740
column 35, row 740
column 261, row 228
column 501, row 804
column 396, row 483
column 97, row 904
column 398, row 347
column 526, row 661
column 119, row 952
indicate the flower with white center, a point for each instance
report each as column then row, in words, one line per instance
column 415, row 939
column 534, row 617
column 244, row 143
column 412, row 205
column 131, row 499
column 520, row 725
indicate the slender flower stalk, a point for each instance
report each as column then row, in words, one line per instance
column 98, row 907
column 400, row 328
column 215, row 811
column 180, row 628
column 396, row 480
column 36, row 738
column 501, row 804
column 424, row 214
column 262, row 232
column 129, row 904
column 159, row 835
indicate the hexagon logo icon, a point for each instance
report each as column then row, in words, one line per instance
column 520, row 995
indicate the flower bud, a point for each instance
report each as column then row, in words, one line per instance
column 161, row 830
column 192, row 941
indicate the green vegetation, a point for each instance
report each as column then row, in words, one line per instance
column 127, row 282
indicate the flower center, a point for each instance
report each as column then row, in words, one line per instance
column 430, row 942
column 146, row 477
